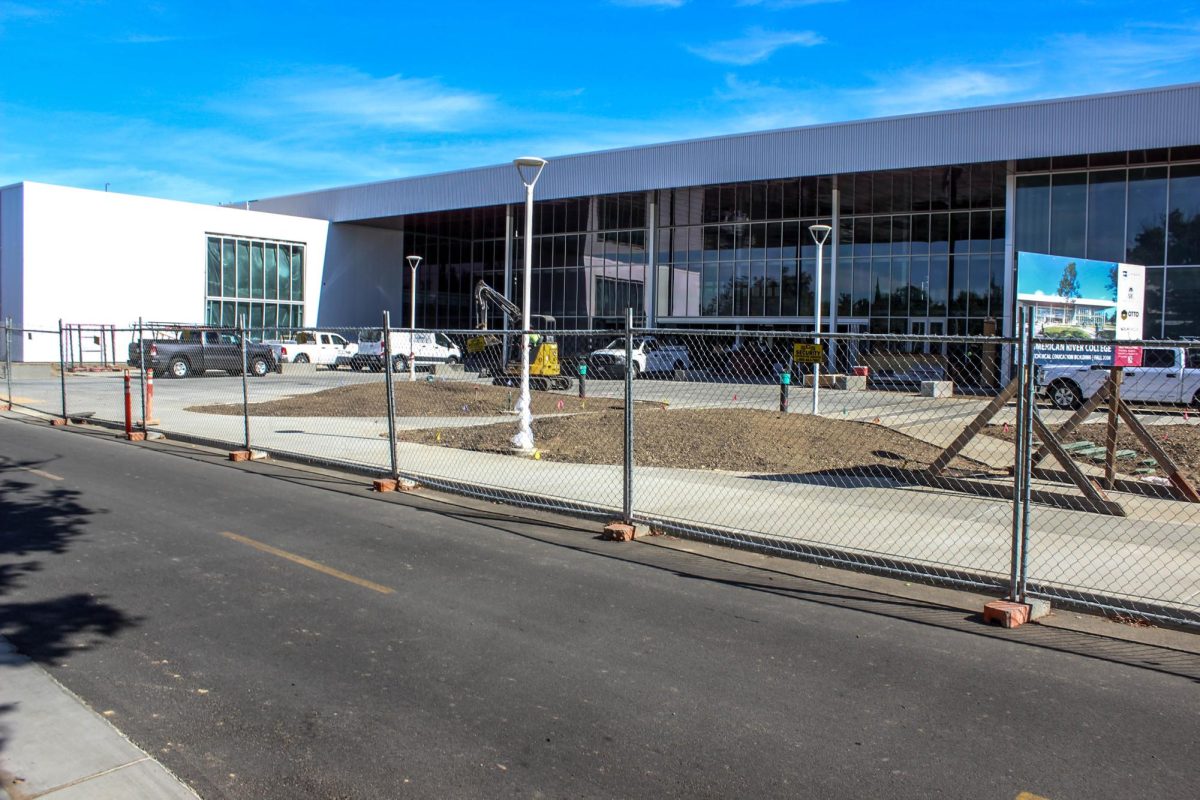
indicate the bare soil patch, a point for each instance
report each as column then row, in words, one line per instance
column 1182, row 443
column 737, row 440
column 419, row 399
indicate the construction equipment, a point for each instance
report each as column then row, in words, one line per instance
column 544, row 370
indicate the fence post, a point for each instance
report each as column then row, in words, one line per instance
column 1018, row 459
column 627, row 483
column 245, row 387
column 142, row 370
column 8, row 361
column 62, row 371
column 391, row 392
column 1027, row 464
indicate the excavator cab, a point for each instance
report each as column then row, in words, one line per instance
column 544, row 370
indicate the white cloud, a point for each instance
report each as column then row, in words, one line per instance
column 649, row 3
column 755, row 46
column 913, row 92
column 778, row 5
column 349, row 97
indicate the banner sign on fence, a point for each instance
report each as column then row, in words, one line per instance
column 1086, row 305
column 807, row 353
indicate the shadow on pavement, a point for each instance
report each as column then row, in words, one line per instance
column 39, row 518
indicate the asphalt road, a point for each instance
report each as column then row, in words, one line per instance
column 272, row 634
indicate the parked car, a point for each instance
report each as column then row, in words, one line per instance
column 313, row 347
column 425, row 347
column 649, row 356
column 1167, row 375
column 194, row 351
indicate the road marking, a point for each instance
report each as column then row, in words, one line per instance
column 1029, row 796
column 304, row 562
column 50, row 476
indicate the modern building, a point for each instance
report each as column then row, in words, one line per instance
column 928, row 212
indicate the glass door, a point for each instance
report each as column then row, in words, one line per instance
column 926, row 326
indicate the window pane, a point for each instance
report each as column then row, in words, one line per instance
column 1033, row 213
column 1183, row 244
column 1106, row 215
column 789, row 290
column 938, row 286
column 1068, row 214
column 1145, row 227
column 214, row 267
column 1152, row 328
column 256, row 269
column 243, row 268
column 228, row 270
column 271, row 273
column 1183, row 303
column 881, row 286
column 298, row 272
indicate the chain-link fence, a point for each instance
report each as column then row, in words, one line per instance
column 1023, row 466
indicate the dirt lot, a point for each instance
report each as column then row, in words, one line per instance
column 420, row 399
column 738, row 440
column 1182, row 443
column 590, row 431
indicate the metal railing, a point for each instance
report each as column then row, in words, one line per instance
column 1021, row 466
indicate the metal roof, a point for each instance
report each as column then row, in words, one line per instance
column 1149, row 118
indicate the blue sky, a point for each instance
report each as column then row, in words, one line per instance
column 221, row 101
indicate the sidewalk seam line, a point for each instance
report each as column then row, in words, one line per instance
column 100, row 774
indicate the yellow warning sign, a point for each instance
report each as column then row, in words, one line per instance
column 807, row 353
column 476, row 344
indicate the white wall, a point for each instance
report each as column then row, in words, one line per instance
column 365, row 273
column 105, row 258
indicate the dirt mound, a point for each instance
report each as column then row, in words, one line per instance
column 419, row 399
column 737, row 440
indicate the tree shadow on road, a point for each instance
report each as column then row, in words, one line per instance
column 40, row 518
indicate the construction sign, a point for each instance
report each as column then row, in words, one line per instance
column 476, row 344
column 807, row 353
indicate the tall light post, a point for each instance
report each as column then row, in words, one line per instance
column 820, row 234
column 530, row 169
column 413, row 263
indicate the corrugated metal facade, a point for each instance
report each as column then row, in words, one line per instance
column 1151, row 118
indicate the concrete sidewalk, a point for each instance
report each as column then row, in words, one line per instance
column 53, row 746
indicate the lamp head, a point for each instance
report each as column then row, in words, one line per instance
column 413, row 261
column 820, row 233
column 529, row 165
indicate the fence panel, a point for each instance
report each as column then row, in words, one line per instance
column 729, row 445
column 1132, row 434
column 35, row 382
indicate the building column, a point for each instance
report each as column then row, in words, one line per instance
column 650, row 275
column 835, row 237
column 1010, row 269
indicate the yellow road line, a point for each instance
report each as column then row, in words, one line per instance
column 304, row 562
column 1029, row 796
column 41, row 473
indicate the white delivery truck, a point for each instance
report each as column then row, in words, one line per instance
column 1167, row 375
column 313, row 347
column 425, row 347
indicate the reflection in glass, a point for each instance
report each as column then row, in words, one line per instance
column 1145, row 222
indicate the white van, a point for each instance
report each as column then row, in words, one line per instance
column 425, row 347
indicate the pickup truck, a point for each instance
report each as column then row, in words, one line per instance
column 649, row 356
column 426, row 348
column 194, row 351
column 1167, row 375
column 313, row 347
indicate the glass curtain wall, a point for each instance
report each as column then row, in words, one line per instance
column 458, row 249
column 1140, row 207
column 922, row 251
column 256, row 279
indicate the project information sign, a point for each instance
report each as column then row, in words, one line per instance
column 1085, row 306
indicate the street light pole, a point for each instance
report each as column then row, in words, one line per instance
column 413, row 263
column 530, row 169
column 820, row 234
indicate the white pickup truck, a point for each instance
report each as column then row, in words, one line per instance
column 1167, row 375
column 426, row 348
column 313, row 347
column 649, row 356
